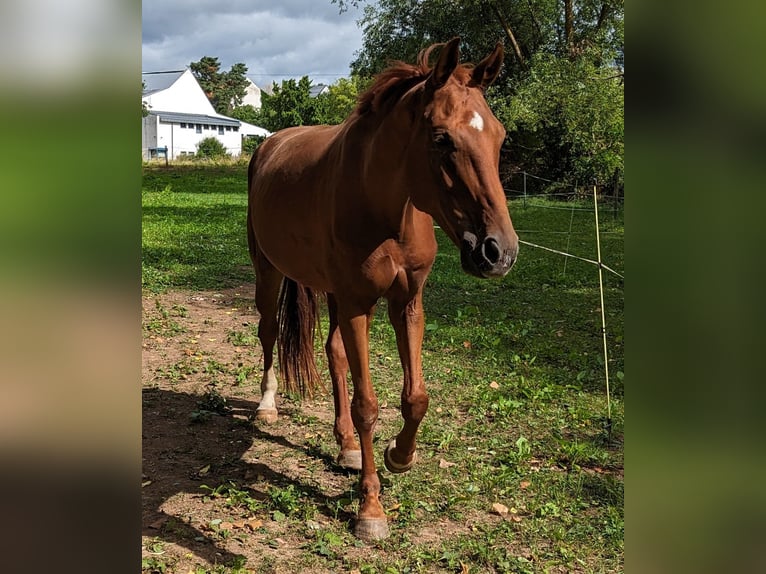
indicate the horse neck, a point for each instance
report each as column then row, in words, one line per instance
column 392, row 167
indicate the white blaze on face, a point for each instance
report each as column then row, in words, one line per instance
column 477, row 122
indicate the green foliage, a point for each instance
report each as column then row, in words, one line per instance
column 248, row 114
column 225, row 90
column 234, row 496
column 144, row 107
column 211, row 147
column 289, row 105
column 400, row 29
column 335, row 106
column 567, row 118
column 251, row 143
column 560, row 95
column 285, row 500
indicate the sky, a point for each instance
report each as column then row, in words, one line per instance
column 275, row 40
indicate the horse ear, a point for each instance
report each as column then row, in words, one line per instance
column 487, row 70
column 449, row 56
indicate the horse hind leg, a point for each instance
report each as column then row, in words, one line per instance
column 267, row 284
column 350, row 455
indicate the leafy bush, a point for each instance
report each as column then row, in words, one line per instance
column 250, row 143
column 211, row 147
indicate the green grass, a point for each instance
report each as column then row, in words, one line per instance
column 515, row 373
column 194, row 227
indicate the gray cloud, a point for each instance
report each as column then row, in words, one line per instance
column 290, row 38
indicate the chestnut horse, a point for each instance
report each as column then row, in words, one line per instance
column 349, row 211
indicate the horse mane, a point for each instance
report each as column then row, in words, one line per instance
column 396, row 80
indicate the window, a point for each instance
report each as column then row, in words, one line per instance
column 236, row 128
column 183, row 124
column 228, row 128
column 199, row 128
column 220, row 130
column 207, row 127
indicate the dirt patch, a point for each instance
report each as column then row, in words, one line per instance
column 201, row 374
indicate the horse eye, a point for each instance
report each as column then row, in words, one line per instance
column 443, row 140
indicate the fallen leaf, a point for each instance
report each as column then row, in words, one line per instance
column 146, row 483
column 463, row 567
column 254, row 524
column 500, row 509
column 226, row 525
column 515, row 518
column 394, row 508
column 444, row 464
column 494, row 385
column 204, row 470
column 467, row 344
column 438, row 409
column 524, row 484
column 238, row 524
column 159, row 523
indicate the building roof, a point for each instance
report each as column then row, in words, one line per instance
column 157, row 81
column 318, row 89
column 175, row 117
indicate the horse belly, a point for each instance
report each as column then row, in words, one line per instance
column 287, row 231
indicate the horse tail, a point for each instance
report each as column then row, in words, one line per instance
column 297, row 317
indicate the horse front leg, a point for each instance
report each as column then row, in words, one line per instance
column 371, row 522
column 408, row 320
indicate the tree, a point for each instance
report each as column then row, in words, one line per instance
column 566, row 119
column 561, row 91
column 225, row 90
column 340, row 100
column 292, row 105
column 289, row 105
column 247, row 113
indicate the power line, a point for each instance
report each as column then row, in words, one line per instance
column 293, row 74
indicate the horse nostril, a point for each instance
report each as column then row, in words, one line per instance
column 491, row 250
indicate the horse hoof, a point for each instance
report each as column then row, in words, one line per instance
column 266, row 415
column 393, row 466
column 370, row 529
column 350, row 459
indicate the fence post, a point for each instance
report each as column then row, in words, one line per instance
column 525, row 188
column 603, row 314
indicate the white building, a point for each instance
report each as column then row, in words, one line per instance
column 252, row 95
column 180, row 116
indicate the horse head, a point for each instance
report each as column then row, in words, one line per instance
column 463, row 139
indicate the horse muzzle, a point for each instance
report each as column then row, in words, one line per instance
column 491, row 257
